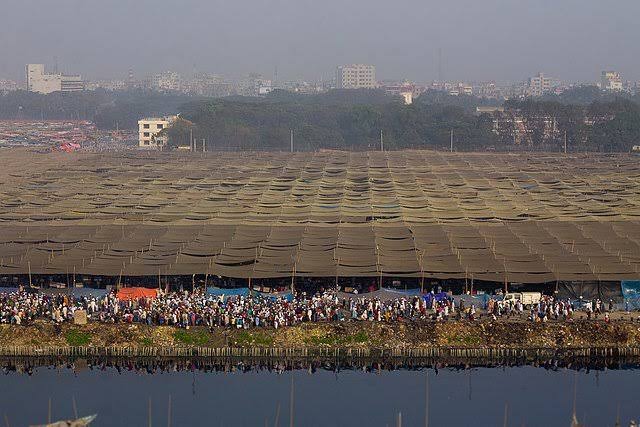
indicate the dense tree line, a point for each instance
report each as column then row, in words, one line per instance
column 342, row 120
column 603, row 125
column 351, row 119
column 588, row 94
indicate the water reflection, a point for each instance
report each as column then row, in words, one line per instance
column 156, row 365
column 249, row 392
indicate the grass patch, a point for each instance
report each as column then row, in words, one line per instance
column 77, row 338
column 338, row 340
column 246, row 338
column 324, row 340
column 193, row 337
column 467, row 340
column 146, row 342
column 359, row 338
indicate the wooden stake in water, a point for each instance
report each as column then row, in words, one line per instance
column 169, row 412
column 276, row 422
column 426, row 401
column 291, row 403
column 506, row 412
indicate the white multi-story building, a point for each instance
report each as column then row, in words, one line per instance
column 149, row 129
column 41, row 82
column 356, row 76
column 611, row 81
column 539, row 85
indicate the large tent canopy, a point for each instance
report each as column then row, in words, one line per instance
column 528, row 218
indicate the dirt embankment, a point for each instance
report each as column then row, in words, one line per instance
column 452, row 334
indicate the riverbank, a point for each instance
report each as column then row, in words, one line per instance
column 369, row 336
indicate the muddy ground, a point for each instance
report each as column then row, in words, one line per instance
column 479, row 334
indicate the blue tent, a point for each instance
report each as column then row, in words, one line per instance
column 286, row 295
column 440, row 296
column 86, row 292
column 231, row 292
column 480, row 300
column 631, row 293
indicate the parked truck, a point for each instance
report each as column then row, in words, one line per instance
column 528, row 299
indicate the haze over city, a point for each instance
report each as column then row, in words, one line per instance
column 490, row 40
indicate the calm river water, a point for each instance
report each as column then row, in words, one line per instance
column 474, row 397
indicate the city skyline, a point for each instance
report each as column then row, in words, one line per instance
column 348, row 76
column 130, row 76
column 494, row 40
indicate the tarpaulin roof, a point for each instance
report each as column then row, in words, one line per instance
column 520, row 218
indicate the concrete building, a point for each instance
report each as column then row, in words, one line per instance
column 109, row 85
column 204, row 84
column 539, row 85
column 167, row 81
column 41, row 82
column 149, row 128
column 611, row 81
column 356, row 76
column 405, row 90
column 8, row 86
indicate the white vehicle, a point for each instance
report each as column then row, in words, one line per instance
column 528, row 299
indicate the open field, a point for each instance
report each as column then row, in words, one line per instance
column 529, row 218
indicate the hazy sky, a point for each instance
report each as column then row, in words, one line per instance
column 503, row 40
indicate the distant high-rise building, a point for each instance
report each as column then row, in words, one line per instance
column 611, row 81
column 131, row 83
column 356, row 76
column 539, row 85
column 41, row 82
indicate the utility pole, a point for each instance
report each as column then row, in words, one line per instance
column 381, row 141
column 204, row 149
column 292, row 140
column 191, row 140
column 451, row 141
column 565, row 142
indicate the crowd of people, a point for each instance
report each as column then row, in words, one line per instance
column 550, row 308
column 187, row 309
